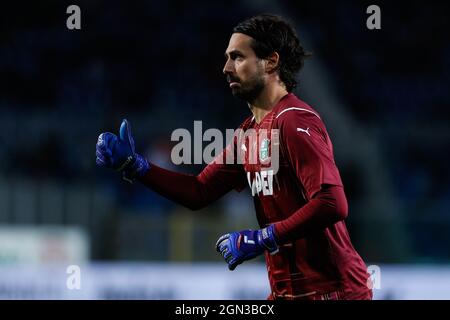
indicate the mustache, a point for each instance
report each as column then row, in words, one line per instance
column 232, row 79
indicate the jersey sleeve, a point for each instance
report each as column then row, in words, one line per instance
column 225, row 171
column 307, row 146
column 196, row 192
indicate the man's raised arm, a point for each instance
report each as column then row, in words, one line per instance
column 193, row 192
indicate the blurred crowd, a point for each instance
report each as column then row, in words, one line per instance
column 160, row 65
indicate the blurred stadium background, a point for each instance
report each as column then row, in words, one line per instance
column 384, row 95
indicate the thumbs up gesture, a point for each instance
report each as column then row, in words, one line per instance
column 118, row 153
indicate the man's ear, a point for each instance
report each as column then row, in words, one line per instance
column 272, row 62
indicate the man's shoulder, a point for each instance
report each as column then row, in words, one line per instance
column 293, row 109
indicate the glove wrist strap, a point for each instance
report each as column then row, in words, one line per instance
column 266, row 237
column 136, row 169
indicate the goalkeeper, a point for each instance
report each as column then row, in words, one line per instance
column 301, row 207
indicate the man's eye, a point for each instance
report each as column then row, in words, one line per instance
column 236, row 56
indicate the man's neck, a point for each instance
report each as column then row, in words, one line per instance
column 266, row 101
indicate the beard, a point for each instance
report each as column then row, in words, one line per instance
column 250, row 89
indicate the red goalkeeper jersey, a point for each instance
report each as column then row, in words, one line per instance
column 302, row 195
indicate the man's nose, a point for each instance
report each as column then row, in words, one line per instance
column 227, row 68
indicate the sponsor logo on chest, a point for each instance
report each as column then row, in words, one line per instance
column 262, row 182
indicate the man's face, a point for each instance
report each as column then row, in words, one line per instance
column 244, row 70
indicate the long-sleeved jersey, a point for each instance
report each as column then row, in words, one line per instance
column 287, row 161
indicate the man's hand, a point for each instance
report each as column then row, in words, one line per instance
column 237, row 247
column 119, row 153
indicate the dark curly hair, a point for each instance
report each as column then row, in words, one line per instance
column 270, row 34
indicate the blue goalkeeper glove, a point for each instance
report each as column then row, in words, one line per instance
column 237, row 247
column 119, row 153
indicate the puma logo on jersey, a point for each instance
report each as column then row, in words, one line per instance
column 305, row 131
column 262, row 181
